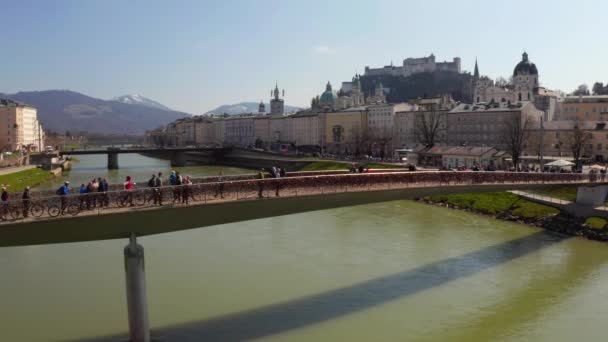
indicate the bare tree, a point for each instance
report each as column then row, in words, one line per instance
column 515, row 135
column 578, row 141
column 426, row 127
column 535, row 143
column 381, row 138
column 501, row 82
column 582, row 89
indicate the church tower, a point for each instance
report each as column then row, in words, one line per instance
column 476, row 73
column 262, row 108
column 277, row 104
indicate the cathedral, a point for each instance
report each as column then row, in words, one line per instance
column 523, row 87
column 353, row 97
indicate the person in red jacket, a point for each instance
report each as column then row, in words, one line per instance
column 129, row 186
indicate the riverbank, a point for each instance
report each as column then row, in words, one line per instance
column 510, row 207
column 19, row 180
column 330, row 165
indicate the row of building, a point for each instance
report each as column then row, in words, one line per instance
column 350, row 122
column 20, row 129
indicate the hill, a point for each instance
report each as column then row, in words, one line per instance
column 61, row 110
column 140, row 100
column 246, row 107
column 422, row 85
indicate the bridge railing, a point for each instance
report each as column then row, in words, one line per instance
column 50, row 206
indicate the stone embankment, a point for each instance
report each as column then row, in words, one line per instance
column 562, row 223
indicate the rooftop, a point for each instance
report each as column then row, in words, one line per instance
column 491, row 107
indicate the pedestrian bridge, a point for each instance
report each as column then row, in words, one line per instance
column 83, row 218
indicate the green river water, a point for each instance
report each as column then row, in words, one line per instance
column 394, row 271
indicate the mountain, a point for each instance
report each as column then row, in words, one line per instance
column 140, row 100
column 245, row 107
column 61, row 110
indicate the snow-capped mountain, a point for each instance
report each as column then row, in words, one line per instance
column 137, row 99
column 245, row 107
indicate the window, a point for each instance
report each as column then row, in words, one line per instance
column 599, row 146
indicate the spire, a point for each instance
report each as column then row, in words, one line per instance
column 276, row 91
column 476, row 73
column 328, row 86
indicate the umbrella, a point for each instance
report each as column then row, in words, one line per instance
column 597, row 167
column 560, row 163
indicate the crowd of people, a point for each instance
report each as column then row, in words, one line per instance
column 95, row 193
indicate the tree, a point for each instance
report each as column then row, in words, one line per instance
column 515, row 135
column 535, row 143
column 578, row 142
column 582, row 89
column 598, row 89
column 501, row 82
column 426, row 127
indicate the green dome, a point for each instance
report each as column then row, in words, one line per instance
column 329, row 96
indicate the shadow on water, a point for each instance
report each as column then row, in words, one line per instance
column 309, row 310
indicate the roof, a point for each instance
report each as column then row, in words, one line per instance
column 570, row 124
column 487, row 107
column 525, row 67
column 589, row 98
column 456, row 150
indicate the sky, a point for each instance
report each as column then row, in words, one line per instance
column 196, row 55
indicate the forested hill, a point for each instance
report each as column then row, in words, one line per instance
column 425, row 84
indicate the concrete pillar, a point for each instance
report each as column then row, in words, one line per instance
column 113, row 161
column 178, row 159
column 593, row 196
column 137, row 301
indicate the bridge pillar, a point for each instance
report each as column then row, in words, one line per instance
column 137, row 301
column 178, row 159
column 113, row 161
column 593, row 196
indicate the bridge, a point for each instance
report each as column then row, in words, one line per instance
column 177, row 154
column 120, row 214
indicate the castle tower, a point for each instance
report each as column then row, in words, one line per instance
column 277, row 104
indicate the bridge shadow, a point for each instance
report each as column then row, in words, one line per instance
column 313, row 309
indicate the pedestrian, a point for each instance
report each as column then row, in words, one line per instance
column 177, row 187
column 219, row 189
column 187, row 190
column 82, row 197
column 93, row 196
column 172, row 178
column 5, row 206
column 158, row 195
column 261, row 183
column 64, row 191
column 129, row 186
column 103, row 189
column 282, row 172
column 27, row 201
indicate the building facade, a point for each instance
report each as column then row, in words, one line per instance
column 343, row 131
column 20, row 129
column 485, row 125
column 239, row 131
column 585, row 108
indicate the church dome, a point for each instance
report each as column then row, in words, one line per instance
column 525, row 67
column 329, row 96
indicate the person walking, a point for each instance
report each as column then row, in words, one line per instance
column 5, row 205
column 177, row 187
column 129, row 186
column 219, row 189
column 93, row 196
column 26, row 199
column 103, row 189
column 64, row 191
column 83, row 195
column 187, row 190
column 261, row 183
column 158, row 195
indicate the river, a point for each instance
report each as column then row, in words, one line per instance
column 394, row 271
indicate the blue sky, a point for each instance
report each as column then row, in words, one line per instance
column 196, row 55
